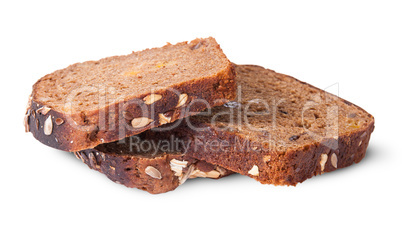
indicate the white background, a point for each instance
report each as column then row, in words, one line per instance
column 354, row 43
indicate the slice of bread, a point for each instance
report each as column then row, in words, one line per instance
column 96, row 102
column 278, row 131
column 136, row 164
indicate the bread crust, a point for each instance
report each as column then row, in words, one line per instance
column 80, row 131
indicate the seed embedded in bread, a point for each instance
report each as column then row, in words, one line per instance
column 164, row 119
column 83, row 156
column 140, row 122
column 334, row 160
column 177, row 166
column 210, row 174
column 198, row 173
column 92, row 160
column 184, row 177
column 324, row 158
column 153, row 172
column 48, row 126
column 213, row 174
column 152, row 98
column 182, row 100
column 59, row 121
column 221, row 170
column 26, row 120
column 254, row 171
column 43, row 110
column 103, row 156
column 77, row 155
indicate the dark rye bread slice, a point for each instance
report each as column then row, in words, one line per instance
column 279, row 130
column 102, row 101
column 135, row 163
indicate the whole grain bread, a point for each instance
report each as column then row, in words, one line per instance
column 278, row 131
column 155, row 170
column 95, row 102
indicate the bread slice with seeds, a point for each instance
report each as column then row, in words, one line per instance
column 102, row 101
column 282, row 131
column 134, row 163
column 279, row 130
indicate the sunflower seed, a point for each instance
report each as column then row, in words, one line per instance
column 254, row 171
column 26, row 121
column 182, row 100
column 43, row 110
column 163, row 119
column 77, row 155
column 334, row 160
column 210, row 174
column 59, row 121
column 324, row 158
column 177, row 166
column 48, row 126
column 183, row 178
column 92, row 160
column 141, row 122
column 153, row 172
column 152, row 98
